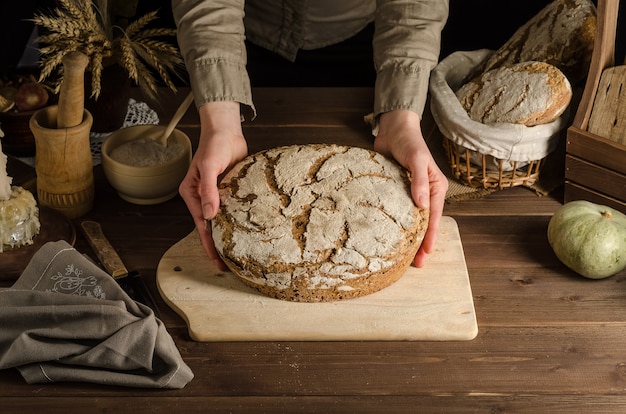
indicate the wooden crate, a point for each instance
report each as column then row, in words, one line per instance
column 595, row 167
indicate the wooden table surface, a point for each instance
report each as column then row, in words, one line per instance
column 548, row 341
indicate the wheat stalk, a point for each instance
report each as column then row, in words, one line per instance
column 154, row 33
column 86, row 26
column 136, row 26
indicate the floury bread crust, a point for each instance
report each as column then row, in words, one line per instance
column 561, row 34
column 528, row 93
column 318, row 223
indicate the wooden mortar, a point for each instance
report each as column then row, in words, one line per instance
column 63, row 160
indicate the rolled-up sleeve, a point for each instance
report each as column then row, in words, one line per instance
column 407, row 43
column 211, row 38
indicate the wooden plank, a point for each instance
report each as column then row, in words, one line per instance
column 509, row 298
column 596, row 149
column 601, row 180
column 574, row 191
column 503, row 361
column 519, row 403
column 268, row 137
column 507, row 361
column 312, row 106
column 608, row 116
column 288, row 106
column 517, row 201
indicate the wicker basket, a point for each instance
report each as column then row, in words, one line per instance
column 489, row 156
column 477, row 170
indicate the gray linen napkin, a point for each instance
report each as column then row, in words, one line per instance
column 65, row 319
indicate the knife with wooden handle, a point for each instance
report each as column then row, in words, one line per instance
column 130, row 282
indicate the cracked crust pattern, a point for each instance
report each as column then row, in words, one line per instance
column 318, row 223
column 528, row 93
column 561, row 34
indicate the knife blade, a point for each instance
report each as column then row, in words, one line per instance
column 130, row 282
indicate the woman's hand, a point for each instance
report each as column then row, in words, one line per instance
column 400, row 136
column 221, row 146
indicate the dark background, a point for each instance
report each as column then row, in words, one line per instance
column 472, row 24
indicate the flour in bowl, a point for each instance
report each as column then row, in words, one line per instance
column 146, row 152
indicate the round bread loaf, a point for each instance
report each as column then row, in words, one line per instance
column 528, row 93
column 318, row 223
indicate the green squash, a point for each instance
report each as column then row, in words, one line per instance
column 589, row 238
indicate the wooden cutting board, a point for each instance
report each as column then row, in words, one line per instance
column 431, row 303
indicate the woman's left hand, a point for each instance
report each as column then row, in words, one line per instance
column 400, row 136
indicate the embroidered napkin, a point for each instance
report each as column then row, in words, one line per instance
column 65, row 319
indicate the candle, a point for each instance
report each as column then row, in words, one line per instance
column 5, row 180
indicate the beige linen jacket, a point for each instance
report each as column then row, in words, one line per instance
column 211, row 37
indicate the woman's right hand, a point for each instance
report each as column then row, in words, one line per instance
column 221, row 146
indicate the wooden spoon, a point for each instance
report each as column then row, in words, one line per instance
column 174, row 121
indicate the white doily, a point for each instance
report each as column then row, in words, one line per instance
column 139, row 113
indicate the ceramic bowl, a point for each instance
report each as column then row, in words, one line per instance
column 151, row 184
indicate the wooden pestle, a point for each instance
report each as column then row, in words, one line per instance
column 72, row 95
